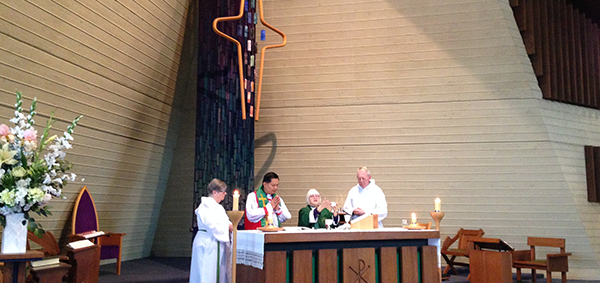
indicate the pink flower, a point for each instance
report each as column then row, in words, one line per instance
column 4, row 130
column 29, row 135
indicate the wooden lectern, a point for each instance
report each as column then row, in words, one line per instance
column 493, row 265
column 367, row 222
column 85, row 264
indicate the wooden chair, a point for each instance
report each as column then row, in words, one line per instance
column 49, row 245
column 554, row 262
column 461, row 250
column 85, row 219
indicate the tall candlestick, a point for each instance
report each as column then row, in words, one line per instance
column 413, row 219
column 236, row 200
column 438, row 205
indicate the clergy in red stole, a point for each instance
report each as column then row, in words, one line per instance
column 264, row 202
column 210, row 249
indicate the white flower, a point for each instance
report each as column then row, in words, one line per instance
column 68, row 136
column 20, row 195
column 65, row 143
column 32, row 188
column 47, row 198
column 47, row 179
column 23, row 183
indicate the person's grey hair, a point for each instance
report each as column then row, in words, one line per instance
column 365, row 169
column 312, row 192
column 216, row 185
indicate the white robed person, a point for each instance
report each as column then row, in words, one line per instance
column 211, row 252
column 366, row 198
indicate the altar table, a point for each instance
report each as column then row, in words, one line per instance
column 381, row 255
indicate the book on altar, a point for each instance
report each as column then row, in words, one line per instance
column 91, row 234
column 46, row 261
column 80, row 244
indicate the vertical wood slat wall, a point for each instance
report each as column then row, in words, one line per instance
column 563, row 44
column 116, row 63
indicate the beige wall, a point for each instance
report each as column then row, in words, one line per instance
column 115, row 62
column 438, row 99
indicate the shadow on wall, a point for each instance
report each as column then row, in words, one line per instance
column 259, row 143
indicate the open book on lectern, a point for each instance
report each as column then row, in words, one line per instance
column 80, row 244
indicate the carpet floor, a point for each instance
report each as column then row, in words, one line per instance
column 177, row 270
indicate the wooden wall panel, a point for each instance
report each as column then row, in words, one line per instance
column 437, row 102
column 95, row 58
column 389, row 264
column 429, row 269
column 276, row 261
column 410, row 265
column 328, row 266
column 302, row 266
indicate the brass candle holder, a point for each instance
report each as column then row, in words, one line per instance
column 437, row 217
column 234, row 217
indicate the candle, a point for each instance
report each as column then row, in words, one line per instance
column 438, row 205
column 270, row 220
column 236, row 200
column 413, row 218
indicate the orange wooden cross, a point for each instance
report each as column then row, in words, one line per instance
column 239, row 49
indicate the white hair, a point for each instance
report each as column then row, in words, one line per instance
column 365, row 169
column 312, row 192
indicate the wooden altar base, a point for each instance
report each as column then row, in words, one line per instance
column 354, row 256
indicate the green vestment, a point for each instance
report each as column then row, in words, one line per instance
column 304, row 217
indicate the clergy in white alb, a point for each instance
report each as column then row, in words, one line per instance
column 264, row 202
column 210, row 249
column 366, row 198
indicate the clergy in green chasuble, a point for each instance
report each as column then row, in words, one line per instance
column 315, row 214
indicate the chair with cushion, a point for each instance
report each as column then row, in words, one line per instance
column 558, row 262
column 85, row 221
column 462, row 250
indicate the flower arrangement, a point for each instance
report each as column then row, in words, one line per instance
column 32, row 170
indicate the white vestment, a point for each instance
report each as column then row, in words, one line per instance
column 370, row 199
column 256, row 213
column 210, row 249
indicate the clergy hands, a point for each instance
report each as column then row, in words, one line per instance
column 334, row 209
column 324, row 204
column 358, row 212
column 275, row 203
column 230, row 227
